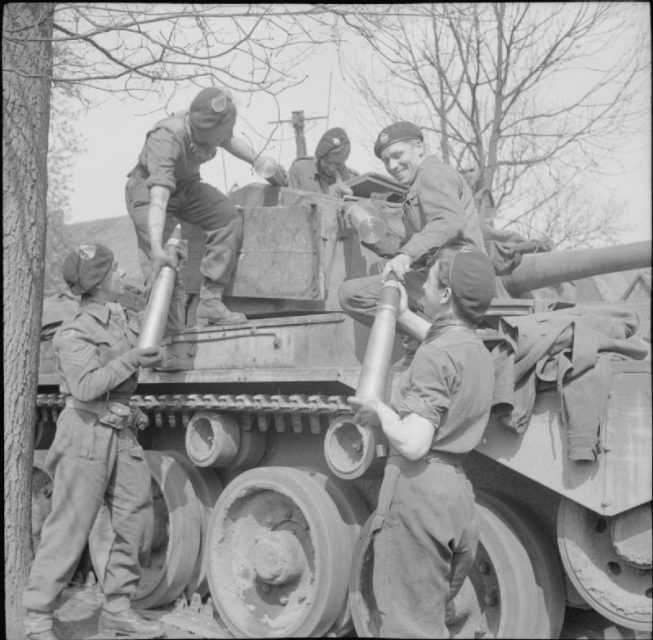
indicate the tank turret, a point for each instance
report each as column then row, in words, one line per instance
column 545, row 269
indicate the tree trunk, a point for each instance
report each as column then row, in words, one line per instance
column 27, row 69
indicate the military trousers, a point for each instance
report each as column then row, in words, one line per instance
column 358, row 297
column 424, row 548
column 91, row 463
column 197, row 203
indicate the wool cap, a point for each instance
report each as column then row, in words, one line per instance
column 333, row 145
column 471, row 278
column 212, row 106
column 85, row 266
column 394, row 133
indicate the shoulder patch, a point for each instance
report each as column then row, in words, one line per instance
column 73, row 343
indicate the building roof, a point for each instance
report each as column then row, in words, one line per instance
column 118, row 234
column 607, row 287
column 621, row 287
column 642, row 279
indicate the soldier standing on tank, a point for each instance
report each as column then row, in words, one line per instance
column 426, row 528
column 325, row 172
column 438, row 208
column 95, row 455
column 166, row 182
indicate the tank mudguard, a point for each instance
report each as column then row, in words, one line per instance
column 621, row 477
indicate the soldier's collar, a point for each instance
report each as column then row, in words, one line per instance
column 444, row 322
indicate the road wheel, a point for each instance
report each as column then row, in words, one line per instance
column 544, row 559
column 169, row 555
column 608, row 560
column 497, row 599
column 41, row 496
column 354, row 513
column 278, row 554
column 208, row 487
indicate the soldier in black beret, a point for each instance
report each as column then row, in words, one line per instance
column 438, row 208
column 95, row 456
column 166, row 183
column 326, row 171
column 426, row 526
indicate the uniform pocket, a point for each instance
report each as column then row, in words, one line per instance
column 80, row 435
column 137, row 193
column 137, row 452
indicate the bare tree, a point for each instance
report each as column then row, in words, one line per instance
column 132, row 48
column 139, row 48
column 530, row 96
column 26, row 109
column 65, row 142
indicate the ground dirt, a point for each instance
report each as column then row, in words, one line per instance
column 77, row 617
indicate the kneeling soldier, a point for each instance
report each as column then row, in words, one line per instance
column 95, row 455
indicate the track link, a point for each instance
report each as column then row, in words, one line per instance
column 259, row 411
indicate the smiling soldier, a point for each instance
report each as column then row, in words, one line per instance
column 438, row 208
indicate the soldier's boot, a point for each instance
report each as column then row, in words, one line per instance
column 48, row 634
column 128, row 622
column 211, row 309
column 39, row 626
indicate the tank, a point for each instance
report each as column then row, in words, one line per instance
column 263, row 483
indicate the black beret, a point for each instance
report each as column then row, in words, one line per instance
column 211, row 107
column 85, row 266
column 472, row 282
column 396, row 132
column 334, row 144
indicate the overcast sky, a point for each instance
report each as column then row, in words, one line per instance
column 115, row 132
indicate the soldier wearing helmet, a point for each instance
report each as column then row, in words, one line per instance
column 166, row 182
column 326, row 171
column 426, row 528
column 95, row 455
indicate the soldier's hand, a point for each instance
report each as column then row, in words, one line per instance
column 366, row 415
column 403, row 298
column 399, row 265
column 160, row 259
column 545, row 244
column 340, row 190
column 279, row 178
column 181, row 250
column 145, row 356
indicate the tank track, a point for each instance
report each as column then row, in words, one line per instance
column 297, row 412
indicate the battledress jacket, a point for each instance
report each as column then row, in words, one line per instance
column 170, row 157
column 304, row 175
column 90, row 348
column 438, row 207
column 570, row 349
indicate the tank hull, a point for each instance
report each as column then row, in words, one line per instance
column 274, row 388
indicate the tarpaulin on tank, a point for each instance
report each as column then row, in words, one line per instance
column 571, row 349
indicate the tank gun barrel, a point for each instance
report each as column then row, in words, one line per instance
column 156, row 312
column 545, row 269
